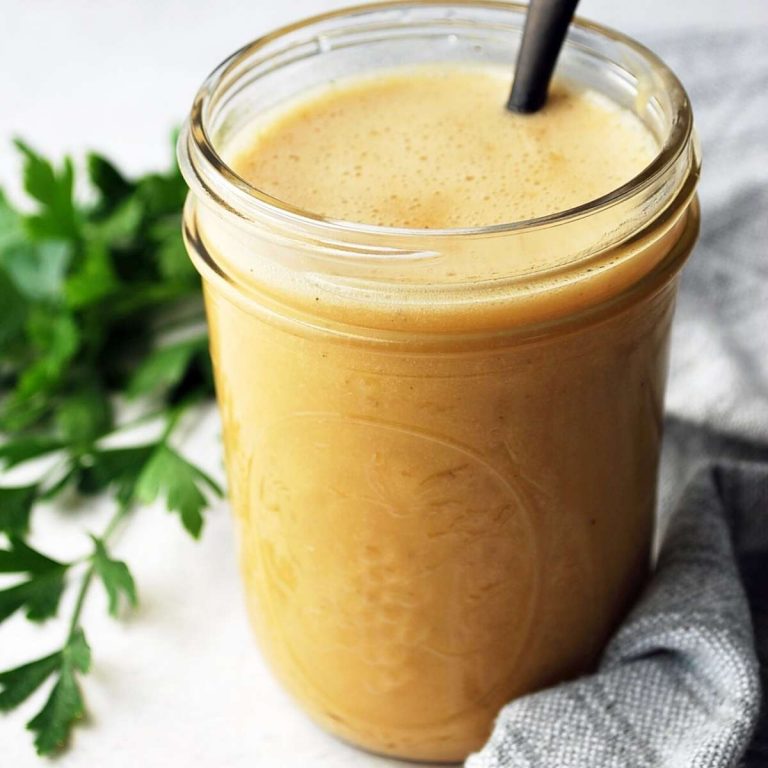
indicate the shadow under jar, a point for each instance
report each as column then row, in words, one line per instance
column 443, row 472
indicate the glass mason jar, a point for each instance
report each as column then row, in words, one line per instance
column 443, row 473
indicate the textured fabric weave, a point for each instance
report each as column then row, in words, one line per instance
column 679, row 686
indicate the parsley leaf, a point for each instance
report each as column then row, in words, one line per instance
column 13, row 310
column 65, row 703
column 53, row 723
column 164, row 368
column 53, row 190
column 111, row 185
column 173, row 261
column 94, row 280
column 88, row 289
column 26, row 447
column 40, row 594
column 115, row 576
column 170, row 476
column 118, row 468
column 37, row 268
column 16, row 507
column 11, row 224
column 55, row 338
column 83, row 416
column 21, row 558
column 21, row 682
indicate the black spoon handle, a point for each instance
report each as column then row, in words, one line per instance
column 545, row 26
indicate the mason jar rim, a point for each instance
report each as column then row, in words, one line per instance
column 204, row 166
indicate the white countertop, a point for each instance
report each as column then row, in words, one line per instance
column 180, row 682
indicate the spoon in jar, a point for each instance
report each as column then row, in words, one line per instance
column 546, row 24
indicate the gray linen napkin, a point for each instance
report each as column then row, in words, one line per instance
column 679, row 686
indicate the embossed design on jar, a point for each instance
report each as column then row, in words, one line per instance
column 393, row 556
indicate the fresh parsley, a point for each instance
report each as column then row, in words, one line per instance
column 99, row 305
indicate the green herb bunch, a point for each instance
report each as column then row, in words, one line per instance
column 101, row 315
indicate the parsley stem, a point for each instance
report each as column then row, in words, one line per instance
column 173, row 418
column 82, row 594
column 115, row 520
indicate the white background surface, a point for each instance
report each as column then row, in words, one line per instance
column 179, row 682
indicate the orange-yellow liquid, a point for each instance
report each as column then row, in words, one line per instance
column 430, row 530
column 435, row 148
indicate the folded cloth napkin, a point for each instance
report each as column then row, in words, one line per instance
column 679, row 686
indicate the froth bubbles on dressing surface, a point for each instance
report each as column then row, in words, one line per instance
column 435, row 148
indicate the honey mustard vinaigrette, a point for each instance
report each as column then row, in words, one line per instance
column 439, row 334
